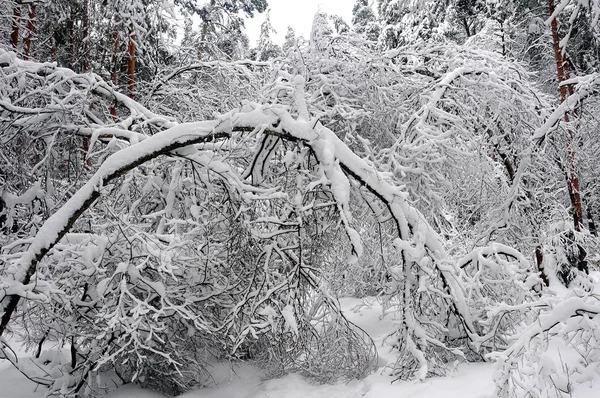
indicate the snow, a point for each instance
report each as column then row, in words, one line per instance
column 14, row 384
column 35, row 192
column 470, row 380
column 586, row 86
column 245, row 381
column 133, row 391
column 417, row 242
column 290, row 319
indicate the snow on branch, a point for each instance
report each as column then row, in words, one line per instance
column 585, row 86
column 429, row 288
column 417, row 242
column 554, row 354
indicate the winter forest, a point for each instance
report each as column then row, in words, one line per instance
column 389, row 202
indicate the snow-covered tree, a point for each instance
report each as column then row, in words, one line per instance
column 289, row 41
column 216, row 215
column 265, row 48
column 364, row 20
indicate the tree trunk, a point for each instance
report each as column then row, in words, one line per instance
column 508, row 165
column 85, row 144
column 16, row 22
column 30, row 31
column 503, row 38
column 72, row 36
column 115, row 59
column 539, row 260
column 591, row 222
column 562, row 71
column 131, row 62
column 202, row 39
column 84, row 40
column 52, row 45
column 466, row 26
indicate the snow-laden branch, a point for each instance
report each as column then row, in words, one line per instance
column 115, row 166
column 244, row 63
column 585, row 86
column 417, row 240
column 566, row 324
column 429, row 285
column 575, row 8
column 9, row 62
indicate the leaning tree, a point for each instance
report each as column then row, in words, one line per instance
column 194, row 235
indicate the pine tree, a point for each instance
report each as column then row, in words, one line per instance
column 290, row 40
column 364, row 20
column 405, row 21
column 470, row 15
column 266, row 49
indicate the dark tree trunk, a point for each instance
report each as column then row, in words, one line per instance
column 85, row 145
column 115, row 66
column 539, row 260
column 562, row 71
column 30, row 31
column 131, row 62
column 72, row 36
column 466, row 26
column 591, row 222
column 85, row 33
column 16, row 23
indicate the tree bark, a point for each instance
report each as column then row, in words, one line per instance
column 30, row 31
column 85, row 33
column 16, row 22
column 85, row 144
column 539, row 260
column 591, row 223
column 131, row 62
column 503, row 38
column 72, row 36
column 562, row 71
column 115, row 58
column 466, row 26
column 52, row 45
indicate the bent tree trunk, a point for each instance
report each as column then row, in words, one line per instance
column 416, row 240
column 407, row 219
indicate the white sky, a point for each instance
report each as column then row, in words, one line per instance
column 298, row 14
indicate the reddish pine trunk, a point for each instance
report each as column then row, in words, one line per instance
column 131, row 63
column 16, row 22
column 30, row 31
column 562, row 71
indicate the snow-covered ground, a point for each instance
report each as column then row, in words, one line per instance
column 469, row 380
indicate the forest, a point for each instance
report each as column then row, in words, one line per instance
column 174, row 197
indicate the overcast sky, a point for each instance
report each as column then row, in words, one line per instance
column 298, row 14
